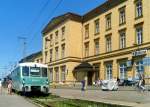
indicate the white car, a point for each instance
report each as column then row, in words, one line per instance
column 109, row 85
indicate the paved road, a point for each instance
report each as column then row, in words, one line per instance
column 13, row 100
column 126, row 97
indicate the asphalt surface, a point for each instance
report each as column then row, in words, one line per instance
column 13, row 100
column 124, row 96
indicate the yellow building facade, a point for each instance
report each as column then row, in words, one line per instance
column 111, row 41
column 62, row 47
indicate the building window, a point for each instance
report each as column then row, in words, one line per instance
column 123, row 71
column 108, row 71
column 51, row 54
column 56, row 53
column 108, row 22
column 96, row 50
column 51, row 74
column 63, row 33
column 63, row 51
column 139, row 35
column 45, row 56
column 87, row 31
column 139, row 8
column 63, row 73
column 122, row 16
column 57, row 74
column 56, row 37
column 51, row 39
column 46, row 42
column 108, row 44
column 122, row 39
column 97, row 26
column 139, row 68
column 86, row 45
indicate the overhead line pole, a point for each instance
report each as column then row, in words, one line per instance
column 24, row 46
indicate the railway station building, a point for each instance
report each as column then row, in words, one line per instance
column 109, row 42
column 34, row 57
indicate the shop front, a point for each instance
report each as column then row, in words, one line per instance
column 141, row 63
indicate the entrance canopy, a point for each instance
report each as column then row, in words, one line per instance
column 84, row 66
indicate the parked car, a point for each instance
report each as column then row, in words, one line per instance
column 109, row 85
column 128, row 82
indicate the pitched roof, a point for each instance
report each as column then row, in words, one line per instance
column 109, row 4
column 60, row 19
column 31, row 57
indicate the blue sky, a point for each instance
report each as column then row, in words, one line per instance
column 26, row 18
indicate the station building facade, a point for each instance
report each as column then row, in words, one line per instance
column 110, row 41
column 34, row 57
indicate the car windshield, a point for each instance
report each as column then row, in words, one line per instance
column 25, row 71
column 35, row 71
column 44, row 72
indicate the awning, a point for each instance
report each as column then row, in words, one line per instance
column 84, row 66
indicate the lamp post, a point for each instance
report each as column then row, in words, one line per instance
column 24, row 47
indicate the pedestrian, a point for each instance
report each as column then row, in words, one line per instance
column 99, row 82
column 10, row 86
column 0, row 86
column 118, row 81
column 142, row 83
column 83, row 85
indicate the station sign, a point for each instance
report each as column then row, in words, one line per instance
column 139, row 52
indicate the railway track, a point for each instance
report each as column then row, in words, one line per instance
column 56, row 101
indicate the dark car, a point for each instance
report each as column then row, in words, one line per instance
column 127, row 82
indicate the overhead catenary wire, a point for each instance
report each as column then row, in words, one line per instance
column 15, row 55
column 43, row 7
column 24, row 45
column 38, row 16
column 50, row 15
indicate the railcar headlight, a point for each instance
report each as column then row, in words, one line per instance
column 23, row 81
column 26, row 88
column 47, row 81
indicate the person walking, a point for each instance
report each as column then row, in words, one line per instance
column 83, row 85
column 9, row 86
column 142, row 83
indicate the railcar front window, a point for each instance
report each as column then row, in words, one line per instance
column 25, row 71
column 35, row 71
column 44, row 72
